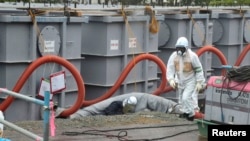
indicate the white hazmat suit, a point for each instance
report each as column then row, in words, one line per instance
column 185, row 74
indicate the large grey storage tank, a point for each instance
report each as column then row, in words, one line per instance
column 194, row 26
column 22, row 41
column 109, row 44
column 110, row 36
column 230, row 35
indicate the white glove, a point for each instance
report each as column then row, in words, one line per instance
column 198, row 87
column 172, row 83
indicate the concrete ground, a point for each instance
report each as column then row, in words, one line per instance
column 148, row 126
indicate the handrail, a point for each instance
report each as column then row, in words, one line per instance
column 44, row 103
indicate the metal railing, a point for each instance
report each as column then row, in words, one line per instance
column 45, row 103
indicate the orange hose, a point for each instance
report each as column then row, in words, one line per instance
column 81, row 89
column 215, row 51
column 36, row 64
column 242, row 55
column 126, row 71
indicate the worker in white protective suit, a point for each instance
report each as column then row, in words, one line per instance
column 185, row 75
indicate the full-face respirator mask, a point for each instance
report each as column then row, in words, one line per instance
column 181, row 46
column 181, row 51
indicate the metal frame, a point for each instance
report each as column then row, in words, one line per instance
column 44, row 103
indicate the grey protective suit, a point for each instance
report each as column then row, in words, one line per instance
column 145, row 101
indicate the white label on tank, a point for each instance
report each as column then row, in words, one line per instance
column 114, row 45
column 49, row 46
column 132, row 43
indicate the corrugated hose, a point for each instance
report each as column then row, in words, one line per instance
column 239, row 74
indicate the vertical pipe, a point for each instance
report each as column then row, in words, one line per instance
column 46, row 116
column 64, row 54
column 125, row 48
column 242, row 21
column 145, row 40
column 33, row 35
column 189, row 29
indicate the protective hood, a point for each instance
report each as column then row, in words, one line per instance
column 182, row 42
column 132, row 100
column 181, row 46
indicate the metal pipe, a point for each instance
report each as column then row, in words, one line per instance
column 21, row 96
column 21, row 130
column 46, row 114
